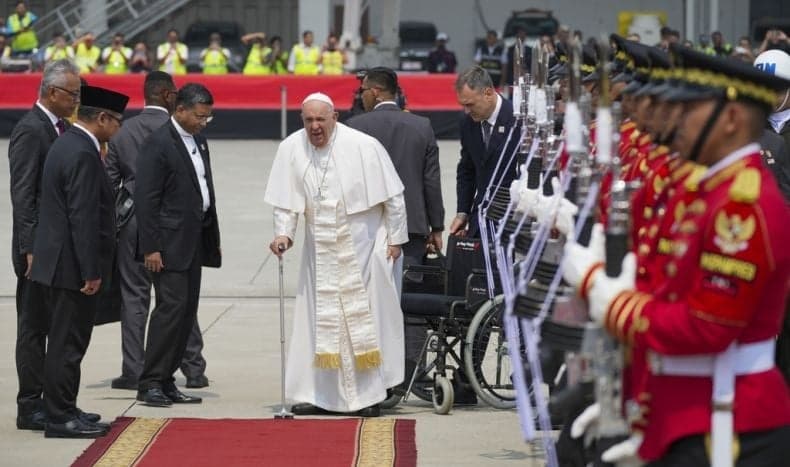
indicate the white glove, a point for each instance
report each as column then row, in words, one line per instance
column 585, row 420
column 624, row 452
column 605, row 289
column 528, row 200
column 557, row 209
column 578, row 259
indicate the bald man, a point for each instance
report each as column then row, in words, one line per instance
column 347, row 340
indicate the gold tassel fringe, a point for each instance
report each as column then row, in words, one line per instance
column 327, row 360
column 368, row 360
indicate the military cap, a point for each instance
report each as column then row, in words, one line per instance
column 703, row 76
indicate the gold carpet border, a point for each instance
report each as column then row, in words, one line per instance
column 376, row 443
column 130, row 445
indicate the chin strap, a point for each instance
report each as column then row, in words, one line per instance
column 703, row 135
column 784, row 101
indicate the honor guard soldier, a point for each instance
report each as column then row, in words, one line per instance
column 712, row 394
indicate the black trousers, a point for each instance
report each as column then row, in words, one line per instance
column 136, row 298
column 172, row 321
column 758, row 449
column 71, row 325
column 31, row 343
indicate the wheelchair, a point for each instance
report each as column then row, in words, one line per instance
column 465, row 347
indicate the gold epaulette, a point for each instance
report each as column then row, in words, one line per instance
column 692, row 181
column 746, row 186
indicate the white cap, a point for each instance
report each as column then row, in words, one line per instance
column 441, row 36
column 774, row 62
column 321, row 97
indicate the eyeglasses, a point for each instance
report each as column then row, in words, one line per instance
column 205, row 118
column 75, row 95
column 120, row 122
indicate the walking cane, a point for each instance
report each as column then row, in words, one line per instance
column 282, row 414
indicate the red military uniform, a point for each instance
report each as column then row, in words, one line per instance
column 654, row 209
column 727, row 283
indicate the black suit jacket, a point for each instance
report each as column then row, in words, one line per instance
column 27, row 149
column 75, row 237
column 121, row 162
column 411, row 144
column 776, row 157
column 478, row 165
column 170, row 216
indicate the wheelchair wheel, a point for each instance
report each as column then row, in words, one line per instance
column 486, row 357
column 442, row 395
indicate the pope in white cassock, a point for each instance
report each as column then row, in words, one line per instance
column 346, row 347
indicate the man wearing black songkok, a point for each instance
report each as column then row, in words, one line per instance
column 73, row 253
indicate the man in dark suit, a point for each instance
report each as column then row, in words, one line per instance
column 411, row 144
column 31, row 139
column 178, row 234
column 73, row 254
column 484, row 132
column 121, row 164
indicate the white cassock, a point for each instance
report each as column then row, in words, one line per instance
column 346, row 347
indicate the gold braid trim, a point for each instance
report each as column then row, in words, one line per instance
column 732, row 86
column 376, row 443
column 130, row 445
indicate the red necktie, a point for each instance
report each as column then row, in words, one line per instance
column 61, row 127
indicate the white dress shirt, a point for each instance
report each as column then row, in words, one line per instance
column 197, row 161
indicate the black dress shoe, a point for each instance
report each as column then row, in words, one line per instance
column 178, row 397
column 32, row 421
column 154, row 397
column 124, row 382
column 74, row 428
column 308, row 409
column 200, row 381
column 372, row 411
column 89, row 417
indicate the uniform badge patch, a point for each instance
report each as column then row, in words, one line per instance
column 733, row 233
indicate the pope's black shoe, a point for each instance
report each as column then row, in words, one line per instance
column 154, row 397
column 178, row 397
column 304, row 408
column 32, row 421
column 74, row 428
column 372, row 411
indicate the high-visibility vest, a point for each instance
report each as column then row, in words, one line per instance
column 55, row 53
column 173, row 64
column 23, row 41
column 215, row 62
column 116, row 61
column 332, row 61
column 281, row 63
column 254, row 65
column 492, row 62
column 305, row 60
column 86, row 58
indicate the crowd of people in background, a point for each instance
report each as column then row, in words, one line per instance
column 267, row 55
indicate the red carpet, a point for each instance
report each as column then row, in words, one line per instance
column 351, row 442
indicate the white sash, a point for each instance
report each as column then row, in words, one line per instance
column 342, row 304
